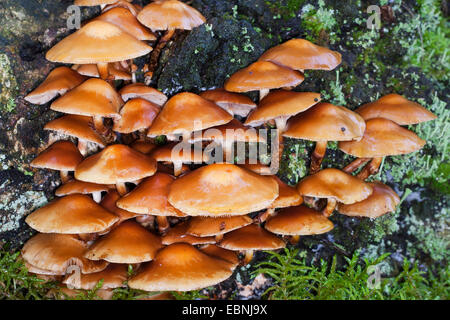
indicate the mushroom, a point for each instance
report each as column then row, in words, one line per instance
column 98, row 42
column 234, row 103
column 215, row 227
column 222, row 189
column 382, row 200
column 58, row 82
column 79, row 127
column 140, row 90
column 62, row 156
column 181, row 267
column 115, row 69
column 263, row 76
column 150, row 198
column 56, row 252
column 301, row 54
column 334, row 185
column 185, row 113
column 168, row 15
column 128, row 243
column 91, row 3
column 382, row 137
column 133, row 8
column 81, row 187
column 136, row 115
column 72, row 214
column 179, row 234
column 322, row 123
column 396, row 108
column 249, row 239
column 116, row 164
column 94, row 98
column 109, row 202
column 145, row 147
column 112, row 277
column 298, row 221
column 221, row 253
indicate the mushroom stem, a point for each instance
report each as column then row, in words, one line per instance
column 97, row 196
column 317, row 156
column 163, row 224
column 99, row 126
column 263, row 93
column 370, row 168
column 133, row 69
column 64, row 174
column 260, row 218
column 121, row 188
column 177, row 168
column 355, row 164
column 219, row 237
column 103, row 70
column 331, row 204
column 82, row 146
column 248, row 257
column 154, row 56
column 294, row 239
column 142, row 134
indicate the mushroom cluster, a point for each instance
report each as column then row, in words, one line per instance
column 177, row 218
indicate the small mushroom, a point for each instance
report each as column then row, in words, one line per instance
column 145, row 147
column 112, row 277
column 81, row 187
column 221, row 253
column 179, row 234
column 215, row 227
column 115, row 69
column 109, row 202
column 140, row 90
column 234, row 103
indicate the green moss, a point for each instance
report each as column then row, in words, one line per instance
column 318, row 20
column 295, row 155
column 287, row 9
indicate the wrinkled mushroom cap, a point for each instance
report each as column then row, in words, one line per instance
column 170, row 15
column 61, row 155
column 382, row 138
column 58, row 82
column 263, row 75
column 299, row 220
column 382, row 200
column 181, row 267
column 56, row 252
column 97, row 42
column 396, row 108
column 326, row 122
column 136, row 114
column 76, row 126
column 183, row 111
column 205, row 226
column 179, row 234
column 114, row 164
column 113, row 277
column 140, row 90
column 251, row 237
column 232, row 102
column 128, row 243
column 287, row 195
column 222, row 189
column 301, row 54
column 94, row 97
column 281, row 103
column 334, row 183
column 150, row 197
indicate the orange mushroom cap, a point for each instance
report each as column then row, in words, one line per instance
column 140, row 90
column 234, row 103
column 90, row 3
column 396, row 108
column 58, row 82
column 222, row 189
column 136, row 114
column 179, row 234
column 97, row 42
column 145, row 147
column 168, row 153
column 116, row 71
column 383, row 137
column 221, row 253
column 205, row 226
column 116, row 163
column 112, row 277
column 79, row 187
column 287, row 195
column 170, row 15
column 263, row 75
column 251, row 237
column 61, row 155
column 109, row 202
column 301, row 54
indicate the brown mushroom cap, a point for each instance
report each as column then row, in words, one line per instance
column 326, row 122
column 251, row 237
column 382, row 200
column 71, row 214
column 396, row 108
column 263, row 75
column 114, row 164
column 301, row 54
column 76, row 126
column 336, row 184
column 299, row 220
column 221, row 253
column 170, row 15
column 56, row 252
column 61, row 155
column 109, row 202
column 205, row 226
column 181, row 113
column 97, row 42
column 136, row 114
column 181, row 267
column 150, row 197
column 140, row 90
column 94, row 97
column 58, row 82
column 222, row 189
column 145, row 147
column 116, row 71
column 383, row 137
column 167, row 153
column 287, row 195
column 179, row 234
column 80, row 187
column 113, row 277
column 128, row 243
column 257, row 168
column 90, row 3
column 234, row 103
column 126, row 21
column 281, row 103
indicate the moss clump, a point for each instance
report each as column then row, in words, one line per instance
column 319, row 22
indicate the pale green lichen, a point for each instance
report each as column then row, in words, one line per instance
column 8, row 85
column 319, row 19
